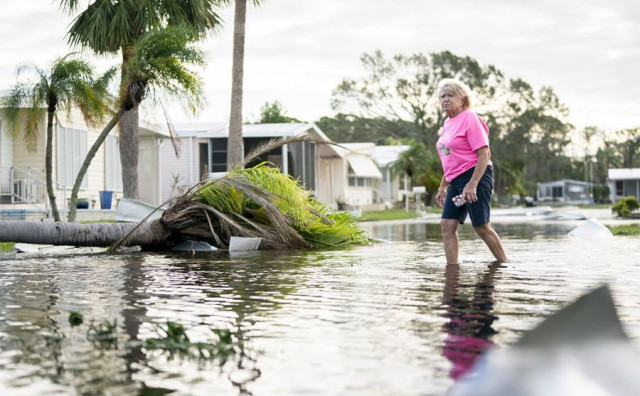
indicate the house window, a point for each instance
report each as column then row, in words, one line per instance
column 72, row 149
column 112, row 164
column 356, row 181
column 557, row 192
column 619, row 188
column 218, row 154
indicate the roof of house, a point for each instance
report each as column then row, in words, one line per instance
column 359, row 156
column 563, row 181
column 385, row 155
column 221, row 130
column 624, row 174
column 345, row 149
column 363, row 166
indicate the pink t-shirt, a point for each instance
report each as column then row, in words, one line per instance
column 460, row 137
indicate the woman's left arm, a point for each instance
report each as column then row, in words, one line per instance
column 469, row 191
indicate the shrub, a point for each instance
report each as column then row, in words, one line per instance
column 625, row 206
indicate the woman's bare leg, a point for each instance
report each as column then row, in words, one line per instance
column 450, row 238
column 492, row 240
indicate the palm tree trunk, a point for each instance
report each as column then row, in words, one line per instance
column 49, row 166
column 234, row 146
column 129, row 131
column 147, row 235
column 85, row 165
column 129, row 136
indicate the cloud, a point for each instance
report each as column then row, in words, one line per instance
column 298, row 51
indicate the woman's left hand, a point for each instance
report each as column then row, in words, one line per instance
column 469, row 193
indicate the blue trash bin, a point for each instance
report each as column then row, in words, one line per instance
column 105, row 199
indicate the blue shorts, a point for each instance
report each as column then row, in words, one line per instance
column 479, row 211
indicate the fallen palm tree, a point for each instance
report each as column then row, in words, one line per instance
column 258, row 202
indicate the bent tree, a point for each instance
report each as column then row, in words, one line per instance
column 159, row 61
column 114, row 27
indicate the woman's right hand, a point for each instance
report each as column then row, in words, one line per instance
column 440, row 197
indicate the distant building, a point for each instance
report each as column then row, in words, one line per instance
column 624, row 182
column 359, row 186
column 565, row 191
column 392, row 187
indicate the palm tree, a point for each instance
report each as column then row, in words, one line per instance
column 109, row 27
column 69, row 83
column 158, row 69
column 234, row 145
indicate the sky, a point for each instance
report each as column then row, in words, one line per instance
column 298, row 51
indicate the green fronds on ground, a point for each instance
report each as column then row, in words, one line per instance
column 339, row 230
column 259, row 202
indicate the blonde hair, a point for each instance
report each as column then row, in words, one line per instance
column 459, row 88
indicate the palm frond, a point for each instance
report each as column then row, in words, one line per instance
column 259, row 202
column 279, row 142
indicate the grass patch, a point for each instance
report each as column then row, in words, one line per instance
column 595, row 206
column 626, row 230
column 390, row 214
column 7, row 246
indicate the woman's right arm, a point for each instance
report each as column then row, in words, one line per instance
column 442, row 192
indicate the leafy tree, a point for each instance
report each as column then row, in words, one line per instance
column 588, row 133
column 274, row 113
column 421, row 165
column 111, row 27
column 529, row 134
column 629, row 147
column 601, row 193
column 70, row 82
column 404, row 88
column 348, row 128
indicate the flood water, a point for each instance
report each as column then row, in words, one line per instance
column 386, row 319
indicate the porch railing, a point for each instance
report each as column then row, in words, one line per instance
column 23, row 185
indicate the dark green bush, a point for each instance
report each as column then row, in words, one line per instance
column 625, row 206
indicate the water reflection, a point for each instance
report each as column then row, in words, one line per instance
column 386, row 319
column 469, row 309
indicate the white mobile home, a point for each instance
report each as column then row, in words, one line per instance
column 203, row 151
column 393, row 183
column 22, row 171
column 624, row 182
column 359, row 185
column 565, row 191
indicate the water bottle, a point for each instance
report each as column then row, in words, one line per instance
column 458, row 200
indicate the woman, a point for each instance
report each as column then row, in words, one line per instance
column 463, row 148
